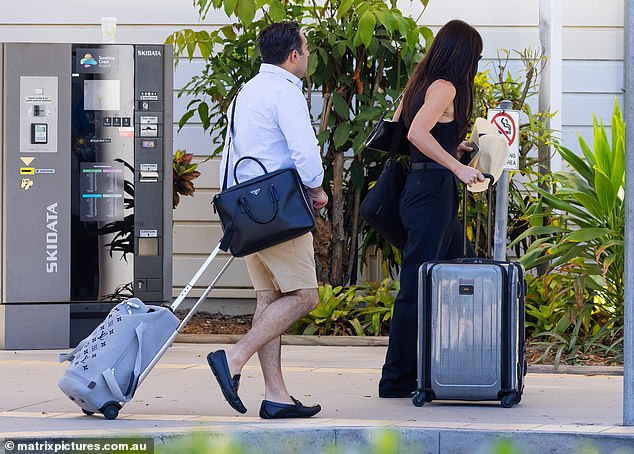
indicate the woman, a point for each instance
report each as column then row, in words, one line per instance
column 436, row 107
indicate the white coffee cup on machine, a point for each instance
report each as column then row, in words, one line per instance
column 108, row 29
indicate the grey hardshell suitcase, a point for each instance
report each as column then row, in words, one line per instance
column 471, row 329
column 107, row 367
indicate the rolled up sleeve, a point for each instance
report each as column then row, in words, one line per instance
column 294, row 121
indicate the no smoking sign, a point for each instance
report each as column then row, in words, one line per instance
column 507, row 122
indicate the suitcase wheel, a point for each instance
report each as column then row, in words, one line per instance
column 111, row 411
column 89, row 413
column 419, row 398
column 517, row 398
column 508, row 401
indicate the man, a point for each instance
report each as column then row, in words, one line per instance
column 272, row 124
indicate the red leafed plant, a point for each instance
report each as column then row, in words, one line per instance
column 184, row 172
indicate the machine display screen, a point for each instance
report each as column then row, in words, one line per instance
column 101, row 191
column 102, row 95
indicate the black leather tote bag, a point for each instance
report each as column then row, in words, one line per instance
column 263, row 211
column 381, row 137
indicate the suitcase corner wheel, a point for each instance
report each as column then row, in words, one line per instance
column 110, row 410
column 510, row 399
column 86, row 412
column 419, row 398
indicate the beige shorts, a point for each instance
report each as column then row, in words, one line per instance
column 286, row 267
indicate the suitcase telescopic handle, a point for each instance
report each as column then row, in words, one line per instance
column 464, row 216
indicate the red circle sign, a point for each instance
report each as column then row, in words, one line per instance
column 506, row 125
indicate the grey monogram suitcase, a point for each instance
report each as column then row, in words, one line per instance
column 107, row 367
column 471, row 330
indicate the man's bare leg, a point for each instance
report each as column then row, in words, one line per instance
column 270, row 355
column 273, row 319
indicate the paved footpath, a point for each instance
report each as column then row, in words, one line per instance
column 560, row 413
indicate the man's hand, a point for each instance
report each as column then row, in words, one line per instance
column 318, row 197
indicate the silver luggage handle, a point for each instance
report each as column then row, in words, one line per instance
column 196, row 276
column 192, row 311
column 464, row 216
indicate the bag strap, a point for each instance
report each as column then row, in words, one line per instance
column 233, row 113
column 225, row 241
column 114, row 387
column 111, row 381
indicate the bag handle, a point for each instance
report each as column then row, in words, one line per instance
column 464, row 216
column 71, row 355
column 251, row 158
column 274, row 198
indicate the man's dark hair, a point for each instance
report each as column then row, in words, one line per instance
column 278, row 40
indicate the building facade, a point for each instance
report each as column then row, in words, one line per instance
column 590, row 74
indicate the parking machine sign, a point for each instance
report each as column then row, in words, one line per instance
column 507, row 122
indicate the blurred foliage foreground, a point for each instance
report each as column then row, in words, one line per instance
column 380, row 441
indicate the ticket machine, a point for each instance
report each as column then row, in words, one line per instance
column 86, row 186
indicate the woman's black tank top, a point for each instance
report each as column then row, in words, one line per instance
column 446, row 134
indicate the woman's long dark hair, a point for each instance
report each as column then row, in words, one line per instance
column 453, row 56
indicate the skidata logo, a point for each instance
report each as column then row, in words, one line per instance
column 88, row 61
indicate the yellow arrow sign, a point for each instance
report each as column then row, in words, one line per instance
column 27, row 161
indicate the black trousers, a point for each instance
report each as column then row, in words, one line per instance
column 429, row 210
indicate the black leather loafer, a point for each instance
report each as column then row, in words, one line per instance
column 276, row 410
column 228, row 385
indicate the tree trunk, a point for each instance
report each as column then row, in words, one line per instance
column 354, row 234
column 338, row 233
column 323, row 230
column 322, row 243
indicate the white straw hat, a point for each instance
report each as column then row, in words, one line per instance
column 492, row 155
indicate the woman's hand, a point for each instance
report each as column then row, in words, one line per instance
column 468, row 175
column 464, row 147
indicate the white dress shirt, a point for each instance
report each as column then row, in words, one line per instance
column 272, row 124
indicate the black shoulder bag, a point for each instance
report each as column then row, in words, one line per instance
column 380, row 207
column 263, row 211
column 386, row 133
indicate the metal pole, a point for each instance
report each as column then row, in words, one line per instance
column 501, row 216
column 628, row 358
column 501, row 206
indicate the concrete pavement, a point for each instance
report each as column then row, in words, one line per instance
column 560, row 413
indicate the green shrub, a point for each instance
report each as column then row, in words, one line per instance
column 333, row 314
column 356, row 311
column 577, row 230
column 377, row 306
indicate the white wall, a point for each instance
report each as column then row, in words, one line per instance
column 592, row 75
